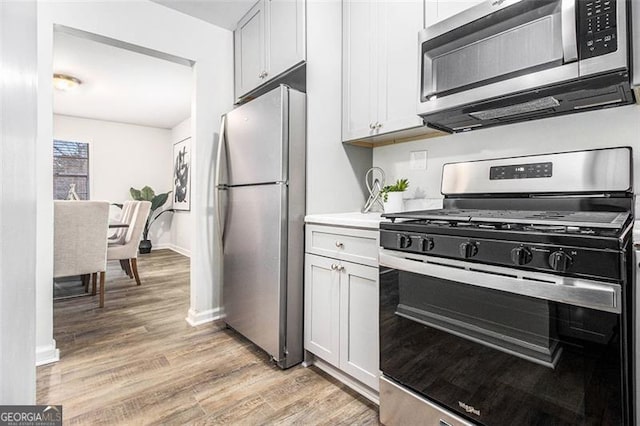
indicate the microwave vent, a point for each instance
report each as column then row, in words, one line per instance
column 517, row 109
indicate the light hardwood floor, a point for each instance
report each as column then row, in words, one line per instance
column 138, row 362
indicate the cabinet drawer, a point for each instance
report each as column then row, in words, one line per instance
column 353, row 245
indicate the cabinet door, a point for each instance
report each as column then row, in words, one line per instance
column 359, row 354
column 285, row 35
column 359, row 69
column 321, row 308
column 399, row 24
column 437, row 10
column 250, row 50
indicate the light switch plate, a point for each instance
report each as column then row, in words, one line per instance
column 418, row 160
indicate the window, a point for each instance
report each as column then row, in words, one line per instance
column 70, row 166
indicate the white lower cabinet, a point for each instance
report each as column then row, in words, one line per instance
column 341, row 316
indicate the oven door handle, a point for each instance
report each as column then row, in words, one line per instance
column 598, row 295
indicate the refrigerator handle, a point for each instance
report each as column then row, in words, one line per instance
column 216, row 179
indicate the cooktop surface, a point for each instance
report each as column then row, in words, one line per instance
column 561, row 219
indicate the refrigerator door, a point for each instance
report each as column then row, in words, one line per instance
column 255, row 264
column 256, row 140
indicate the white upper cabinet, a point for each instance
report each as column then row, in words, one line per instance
column 286, row 35
column 438, row 10
column 250, row 50
column 380, row 66
column 269, row 40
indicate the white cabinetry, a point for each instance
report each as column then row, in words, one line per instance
column 438, row 10
column 268, row 40
column 380, row 67
column 341, row 300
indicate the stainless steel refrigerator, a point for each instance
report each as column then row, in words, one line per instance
column 261, row 204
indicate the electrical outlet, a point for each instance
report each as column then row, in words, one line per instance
column 418, row 160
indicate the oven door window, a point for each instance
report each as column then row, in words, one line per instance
column 498, row 358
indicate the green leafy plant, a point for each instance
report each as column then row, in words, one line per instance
column 157, row 201
column 401, row 185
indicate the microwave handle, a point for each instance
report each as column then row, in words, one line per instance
column 569, row 39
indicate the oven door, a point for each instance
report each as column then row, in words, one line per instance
column 499, row 346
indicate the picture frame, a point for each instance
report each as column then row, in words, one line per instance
column 181, row 195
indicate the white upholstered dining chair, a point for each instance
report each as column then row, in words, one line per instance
column 80, row 240
column 127, row 251
column 125, row 218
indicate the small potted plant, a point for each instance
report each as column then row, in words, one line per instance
column 157, row 201
column 392, row 196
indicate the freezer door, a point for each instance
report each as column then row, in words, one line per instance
column 255, row 264
column 256, row 140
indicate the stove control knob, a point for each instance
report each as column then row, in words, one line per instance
column 560, row 261
column 468, row 250
column 426, row 244
column 521, row 255
column 404, row 241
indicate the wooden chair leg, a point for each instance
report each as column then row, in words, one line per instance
column 134, row 267
column 94, row 283
column 126, row 267
column 102, row 274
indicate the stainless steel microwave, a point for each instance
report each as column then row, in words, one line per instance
column 512, row 60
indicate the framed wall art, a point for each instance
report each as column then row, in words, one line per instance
column 182, row 175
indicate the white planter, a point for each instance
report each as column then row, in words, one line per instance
column 394, row 202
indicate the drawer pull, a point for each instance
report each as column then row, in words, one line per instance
column 335, row 267
column 339, row 244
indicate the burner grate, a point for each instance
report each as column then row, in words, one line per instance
column 501, row 218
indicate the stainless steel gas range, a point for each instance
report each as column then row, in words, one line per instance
column 512, row 305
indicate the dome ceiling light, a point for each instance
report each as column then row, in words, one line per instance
column 65, row 82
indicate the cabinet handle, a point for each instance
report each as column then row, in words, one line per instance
column 339, row 244
column 372, row 126
column 340, row 268
column 378, row 125
column 334, row 266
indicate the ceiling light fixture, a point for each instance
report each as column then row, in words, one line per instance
column 65, row 82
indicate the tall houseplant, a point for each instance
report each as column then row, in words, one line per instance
column 157, row 201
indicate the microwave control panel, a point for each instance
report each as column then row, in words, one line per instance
column 597, row 27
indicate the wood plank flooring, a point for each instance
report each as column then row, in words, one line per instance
column 137, row 361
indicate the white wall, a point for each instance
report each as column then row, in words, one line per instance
column 596, row 129
column 335, row 172
column 17, row 202
column 180, row 240
column 151, row 26
column 122, row 156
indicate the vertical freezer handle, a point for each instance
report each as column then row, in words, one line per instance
column 216, row 179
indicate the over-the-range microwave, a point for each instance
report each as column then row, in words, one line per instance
column 504, row 61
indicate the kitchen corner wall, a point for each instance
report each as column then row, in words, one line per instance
column 596, row 129
column 335, row 172
column 180, row 238
column 122, row 156
column 18, row 195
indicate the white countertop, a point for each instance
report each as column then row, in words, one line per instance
column 351, row 219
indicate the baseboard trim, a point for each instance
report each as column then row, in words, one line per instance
column 47, row 354
column 198, row 318
column 173, row 247
column 354, row 384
